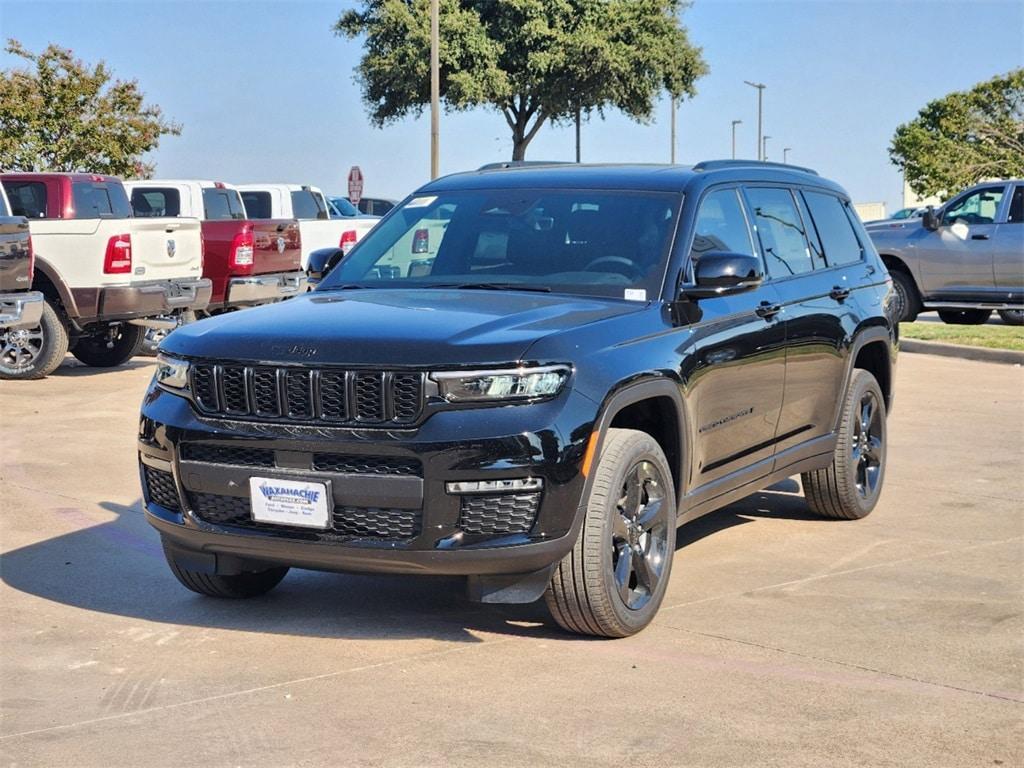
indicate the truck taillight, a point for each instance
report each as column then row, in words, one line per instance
column 348, row 240
column 242, row 247
column 118, row 260
column 421, row 241
column 31, row 261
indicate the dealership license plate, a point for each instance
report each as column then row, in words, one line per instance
column 290, row 502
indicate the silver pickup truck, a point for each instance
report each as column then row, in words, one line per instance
column 965, row 259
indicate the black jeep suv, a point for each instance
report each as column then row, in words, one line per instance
column 530, row 377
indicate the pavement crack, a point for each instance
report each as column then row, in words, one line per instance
column 847, row 664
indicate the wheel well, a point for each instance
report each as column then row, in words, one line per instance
column 657, row 417
column 43, row 284
column 873, row 357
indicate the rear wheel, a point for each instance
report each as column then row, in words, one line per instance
column 906, row 302
column 613, row 581
column 110, row 347
column 32, row 353
column 849, row 487
column 1012, row 316
column 236, row 586
column 965, row 316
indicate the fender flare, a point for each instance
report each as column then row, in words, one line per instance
column 67, row 299
column 864, row 337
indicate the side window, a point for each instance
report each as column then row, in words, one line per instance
column 833, row 226
column 979, row 207
column 781, row 231
column 1016, row 206
column 221, row 204
column 28, row 198
column 721, row 225
column 257, row 204
column 307, row 205
column 156, row 202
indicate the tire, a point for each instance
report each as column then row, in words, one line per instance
column 965, row 316
column 849, row 487
column 1012, row 316
column 32, row 353
column 99, row 352
column 907, row 300
column 598, row 589
column 237, row 586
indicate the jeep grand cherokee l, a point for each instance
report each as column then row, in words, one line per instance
column 589, row 357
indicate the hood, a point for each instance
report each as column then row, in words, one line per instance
column 392, row 328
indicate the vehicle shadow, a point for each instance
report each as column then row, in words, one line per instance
column 117, row 567
column 70, row 367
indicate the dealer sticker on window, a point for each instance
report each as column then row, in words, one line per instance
column 421, row 202
column 290, row 502
column 635, row 294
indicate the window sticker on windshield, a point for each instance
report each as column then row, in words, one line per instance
column 421, row 202
column 635, row 294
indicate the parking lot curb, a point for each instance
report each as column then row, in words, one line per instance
column 983, row 354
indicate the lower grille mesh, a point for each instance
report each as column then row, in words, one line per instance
column 160, row 488
column 504, row 513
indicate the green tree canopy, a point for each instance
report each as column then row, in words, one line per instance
column 964, row 137
column 60, row 114
column 534, row 60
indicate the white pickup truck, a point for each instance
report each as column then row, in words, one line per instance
column 309, row 206
column 106, row 276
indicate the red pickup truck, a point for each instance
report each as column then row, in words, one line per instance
column 249, row 262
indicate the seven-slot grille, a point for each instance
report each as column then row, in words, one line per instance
column 310, row 395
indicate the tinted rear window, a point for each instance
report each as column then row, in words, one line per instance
column 100, row 200
column 28, row 198
column 163, row 201
column 307, row 205
column 834, row 228
column 220, row 204
column 257, row 204
column 344, row 207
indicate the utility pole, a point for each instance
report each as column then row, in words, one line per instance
column 435, row 90
column 673, row 152
column 764, row 148
column 785, row 154
column 577, row 134
column 760, row 113
column 734, row 124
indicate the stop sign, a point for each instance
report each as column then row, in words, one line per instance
column 355, row 184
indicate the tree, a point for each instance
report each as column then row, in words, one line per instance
column 60, row 114
column 534, row 60
column 964, row 137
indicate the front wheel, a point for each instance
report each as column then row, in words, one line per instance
column 849, row 487
column 906, row 301
column 965, row 316
column 613, row 581
column 237, row 586
column 111, row 346
column 1012, row 316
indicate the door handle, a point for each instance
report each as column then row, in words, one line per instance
column 839, row 294
column 979, row 237
column 767, row 310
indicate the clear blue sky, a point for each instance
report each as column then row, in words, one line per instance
column 266, row 92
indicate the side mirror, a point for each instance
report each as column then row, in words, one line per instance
column 720, row 273
column 930, row 219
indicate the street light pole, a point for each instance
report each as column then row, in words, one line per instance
column 734, row 124
column 760, row 112
column 764, row 148
column 435, row 90
column 673, row 152
column 785, row 154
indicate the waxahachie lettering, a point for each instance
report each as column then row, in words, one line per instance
column 272, row 492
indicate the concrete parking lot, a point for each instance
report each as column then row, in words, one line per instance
column 784, row 640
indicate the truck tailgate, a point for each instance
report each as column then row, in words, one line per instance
column 14, row 253
column 277, row 246
column 166, row 248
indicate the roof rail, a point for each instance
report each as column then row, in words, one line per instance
column 521, row 164
column 714, row 165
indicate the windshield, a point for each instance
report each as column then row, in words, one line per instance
column 572, row 241
column 342, row 207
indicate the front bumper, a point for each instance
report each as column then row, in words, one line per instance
column 455, row 445
column 21, row 310
column 124, row 302
column 260, row 289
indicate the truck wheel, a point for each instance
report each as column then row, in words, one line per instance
column 964, row 316
column 849, row 487
column 907, row 301
column 107, row 349
column 32, row 353
column 241, row 585
column 613, row 581
column 1012, row 316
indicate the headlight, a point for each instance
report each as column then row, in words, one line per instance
column 515, row 384
column 171, row 372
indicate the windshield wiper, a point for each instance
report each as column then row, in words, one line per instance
column 342, row 287
column 490, row 287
